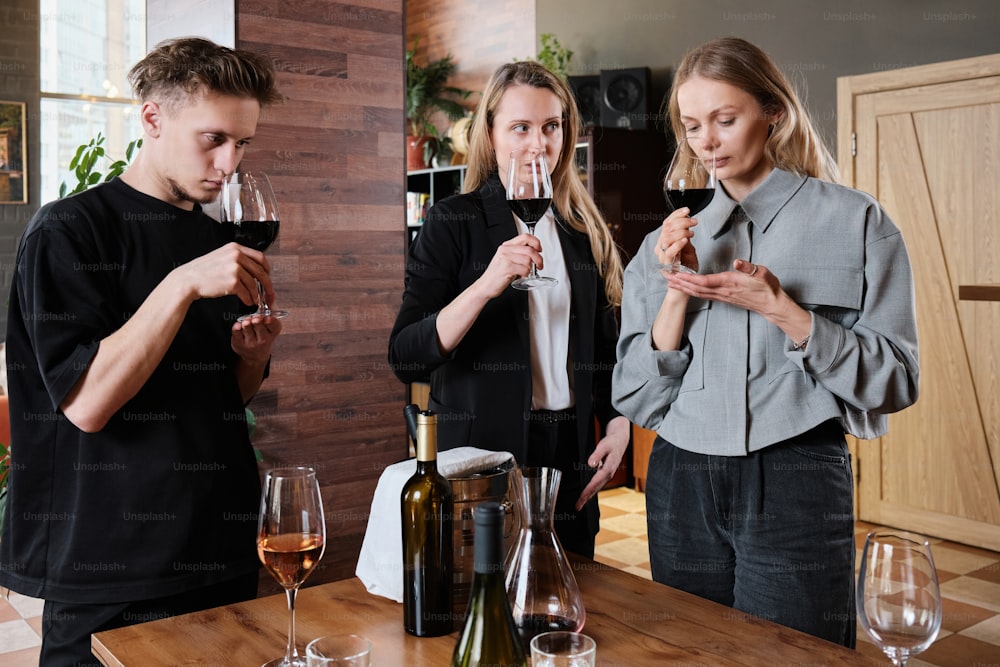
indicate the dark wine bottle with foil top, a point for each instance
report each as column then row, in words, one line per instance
column 428, row 507
column 489, row 636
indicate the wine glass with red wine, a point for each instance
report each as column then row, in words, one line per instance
column 529, row 195
column 291, row 538
column 248, row 204
column 690, row 182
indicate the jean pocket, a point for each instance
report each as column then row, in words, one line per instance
column 835, row 454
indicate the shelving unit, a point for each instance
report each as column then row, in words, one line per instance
column 437, row 183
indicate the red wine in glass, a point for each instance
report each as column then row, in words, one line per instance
column 686, row 170
column 529, row 194
column 530, row 211
column 256, row 234
column 249, row 205
column 695, row 199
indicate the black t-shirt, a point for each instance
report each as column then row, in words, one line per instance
column 164, row 498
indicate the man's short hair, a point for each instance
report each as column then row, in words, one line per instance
column 180, row 69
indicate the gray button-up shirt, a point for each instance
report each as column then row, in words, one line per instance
column 737, row 385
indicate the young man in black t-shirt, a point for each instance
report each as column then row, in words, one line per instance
column 133, row 487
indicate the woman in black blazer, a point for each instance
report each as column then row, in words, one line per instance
column 510, row 370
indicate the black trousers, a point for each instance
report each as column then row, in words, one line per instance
column 770, row 534
column 67, row 626
column 552, row 443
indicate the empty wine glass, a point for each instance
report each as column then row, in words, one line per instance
column 529, row 195
column 899, row 601
column 291, row 538
column 248, row 203
column 690, row 182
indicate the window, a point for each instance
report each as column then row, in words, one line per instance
column 88, row 47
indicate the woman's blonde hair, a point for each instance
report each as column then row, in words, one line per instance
column 570, row 196
column 793, row 143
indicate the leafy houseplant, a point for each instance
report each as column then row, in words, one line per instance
column 427, row 92
column 554, row 56
column 84, row 163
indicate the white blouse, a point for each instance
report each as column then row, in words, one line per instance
column 548, row 313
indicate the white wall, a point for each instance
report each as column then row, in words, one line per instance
column 191, row 18
column 814, row 41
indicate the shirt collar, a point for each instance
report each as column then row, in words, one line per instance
column 761, row 205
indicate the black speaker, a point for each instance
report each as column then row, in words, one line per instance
column 587, row 91
column 625, row 98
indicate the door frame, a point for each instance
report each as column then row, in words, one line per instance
column 854, row 112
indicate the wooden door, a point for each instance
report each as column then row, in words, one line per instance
column 926, row 142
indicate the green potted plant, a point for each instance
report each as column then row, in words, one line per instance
column 84, row 164
column 554, row 55
column 427, row 92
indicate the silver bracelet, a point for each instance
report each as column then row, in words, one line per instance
column 801, row 345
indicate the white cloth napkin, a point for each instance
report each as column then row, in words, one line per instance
column 380, row 563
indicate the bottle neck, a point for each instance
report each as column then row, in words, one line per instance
column 426, row 467
column 488, row 550
column 426, row 452
column 426, row 438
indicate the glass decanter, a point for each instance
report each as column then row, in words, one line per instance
column 542, row 590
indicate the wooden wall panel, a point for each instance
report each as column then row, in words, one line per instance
column 480, row 36
column 334, row 151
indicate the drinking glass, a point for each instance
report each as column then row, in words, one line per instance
column 690, row 182
column 291, row 538
column 248, row 204
column 899, row 601
column 563, row 649
column 529, row 194
column 339, row 651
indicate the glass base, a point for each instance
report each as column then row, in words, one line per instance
column 276, row 314
column 297, row 661
column 534, row 282
column 674, row 267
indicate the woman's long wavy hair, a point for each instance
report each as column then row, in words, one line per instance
column 793, row 144
column 570, row 196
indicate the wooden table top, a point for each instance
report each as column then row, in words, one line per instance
column 635, row 622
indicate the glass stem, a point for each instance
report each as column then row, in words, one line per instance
column 534, row 269
column 291, row 652
column 262, row 306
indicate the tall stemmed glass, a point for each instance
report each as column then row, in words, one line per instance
column 899, row 601
column 248, row 203
column 291, row 538
column 689, row 182
column 529, row 195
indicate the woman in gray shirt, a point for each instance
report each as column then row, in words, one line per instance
column 798, row 327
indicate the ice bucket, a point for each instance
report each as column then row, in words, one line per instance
column 470, row 490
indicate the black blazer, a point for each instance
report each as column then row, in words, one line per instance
column 482, row 391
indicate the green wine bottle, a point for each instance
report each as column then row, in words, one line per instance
column 489, row 636
column 428, row 507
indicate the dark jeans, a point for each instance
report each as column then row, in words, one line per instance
column 552, row 443
column 770, row 534
column 66, row 627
